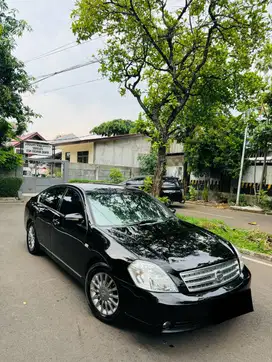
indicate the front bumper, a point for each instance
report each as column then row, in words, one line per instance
column 176, row 312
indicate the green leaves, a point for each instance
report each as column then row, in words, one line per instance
column 217, row 147
column 9, row 160
column 14, row 81
column 164, row 56
column 148, row 163
column 114, row 128
column 183, row 66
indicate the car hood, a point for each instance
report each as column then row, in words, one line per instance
column 172, row 244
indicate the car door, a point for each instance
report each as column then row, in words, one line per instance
column 69, row 237
column 47, row 205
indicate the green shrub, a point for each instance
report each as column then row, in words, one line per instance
column 264, row 200
column 116, row 176
column 205, row 194
column 192, row 193
column 9, row 186
column 243, row 200
column 9, row 160
column 231, row 199
column 148, row 163
column 165, row 200
column 148, row 183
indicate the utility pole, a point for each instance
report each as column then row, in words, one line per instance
column 241, row 167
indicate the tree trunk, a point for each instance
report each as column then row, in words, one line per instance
column 186, row 178
column 263, row 171
column 160, row 171
column 254, row 176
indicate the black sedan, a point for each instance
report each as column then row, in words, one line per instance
column 171, row 187
column 136, row 258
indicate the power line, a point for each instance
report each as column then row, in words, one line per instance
column 51, row 51
column 46, row 76
column 71, row 86
column 60, row 49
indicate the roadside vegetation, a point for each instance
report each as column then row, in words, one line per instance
column 9, row 186
column 254, row 240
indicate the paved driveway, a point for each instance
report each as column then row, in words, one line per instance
column 236, row 219
column 44, row 316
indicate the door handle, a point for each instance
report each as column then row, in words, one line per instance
column 56, row 222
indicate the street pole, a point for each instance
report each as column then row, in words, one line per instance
column 241, row 168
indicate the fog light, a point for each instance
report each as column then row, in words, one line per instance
column 166, row 325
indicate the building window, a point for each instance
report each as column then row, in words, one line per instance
column 83, row 157
column 67, row 156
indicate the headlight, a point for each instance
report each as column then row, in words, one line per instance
column 240, row 258
column 151, row 277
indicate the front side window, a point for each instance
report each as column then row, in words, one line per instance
column 51, row 197
column 122, row 207
column 83, row 157
column 72, row 203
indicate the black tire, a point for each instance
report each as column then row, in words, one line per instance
column 91, row 276
column 33, row 246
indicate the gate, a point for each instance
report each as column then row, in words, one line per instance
column 39, row 174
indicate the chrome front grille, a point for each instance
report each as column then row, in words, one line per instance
column 211, row 276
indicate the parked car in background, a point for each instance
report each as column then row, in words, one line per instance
column 171, row 187
column 136, row 258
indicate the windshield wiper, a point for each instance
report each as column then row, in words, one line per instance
column 151, row 221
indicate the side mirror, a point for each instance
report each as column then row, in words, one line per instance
column 74, row 217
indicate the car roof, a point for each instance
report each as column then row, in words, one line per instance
column 89, row 186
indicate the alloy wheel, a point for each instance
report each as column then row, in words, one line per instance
column 104, row 294
column 31, row 238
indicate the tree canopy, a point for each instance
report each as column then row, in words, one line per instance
column 260, row 141
column 216, row 149
column 148, row 163
column 114, row 127
column 165, row 57
column 14, row 81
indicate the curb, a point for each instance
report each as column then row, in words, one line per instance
column 233, row 208
column 10, row 200
column 207, row 204
column 256, row 255
column 237, row 208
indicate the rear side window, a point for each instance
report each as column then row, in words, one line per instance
column 51, row 197
column 72, row 203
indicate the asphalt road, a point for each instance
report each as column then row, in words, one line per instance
column 44, row 316
column 236, row 219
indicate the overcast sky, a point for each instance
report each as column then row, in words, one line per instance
column 73, row 110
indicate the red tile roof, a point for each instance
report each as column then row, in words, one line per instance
column 25, row 137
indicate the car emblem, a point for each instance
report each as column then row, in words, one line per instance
column 219, row 276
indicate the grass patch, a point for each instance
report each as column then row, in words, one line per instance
column 254, row 240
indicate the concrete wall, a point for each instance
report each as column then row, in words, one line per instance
column 121, row 152
column 75, row 148
column 176, row 147
column 249, row 174
column 83, row 171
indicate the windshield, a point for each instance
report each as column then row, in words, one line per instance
column 122, row 207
